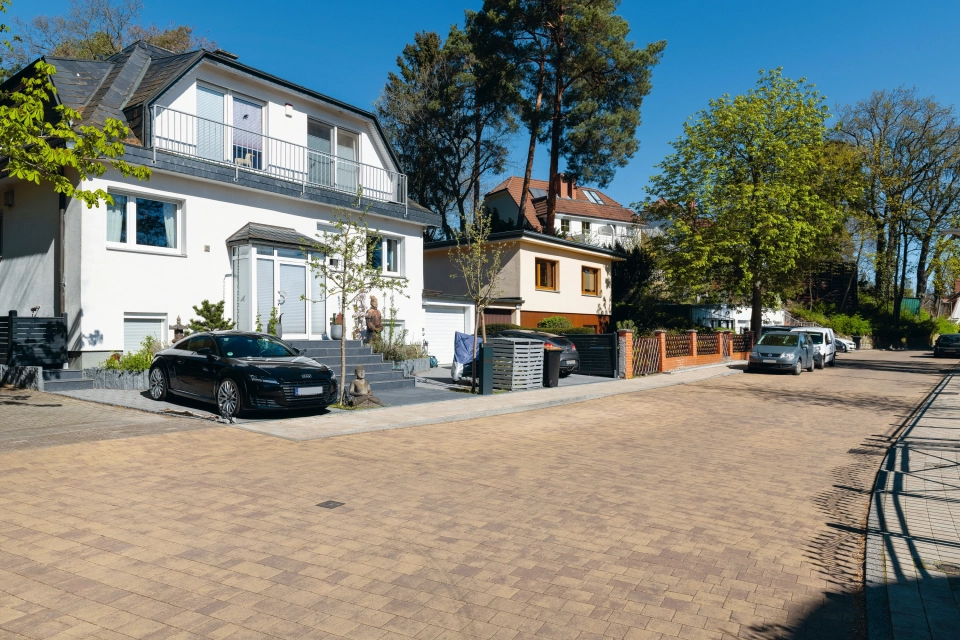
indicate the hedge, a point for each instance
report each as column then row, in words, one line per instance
column 495, row 327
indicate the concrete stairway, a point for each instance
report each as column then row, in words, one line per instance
column 379, row 374
column 65, row 380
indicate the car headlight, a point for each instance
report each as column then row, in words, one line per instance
column 788, row 356
column 262, row 380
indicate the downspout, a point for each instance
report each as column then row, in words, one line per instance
column 62, row 297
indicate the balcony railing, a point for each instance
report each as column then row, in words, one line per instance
column 189, row 135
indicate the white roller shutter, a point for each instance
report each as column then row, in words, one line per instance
column 441, row 324
column 136, row 329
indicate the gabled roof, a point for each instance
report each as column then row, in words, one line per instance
column 579, row 205
column 517, row 235
column 267, row 233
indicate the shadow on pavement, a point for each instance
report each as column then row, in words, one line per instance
column 189, row 404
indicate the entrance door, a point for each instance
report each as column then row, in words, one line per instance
column 290, row 293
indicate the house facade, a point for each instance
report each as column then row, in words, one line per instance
column 541, row 276
column 583, row 214
column 247, row 169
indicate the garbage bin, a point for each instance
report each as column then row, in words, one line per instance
column 551, row 367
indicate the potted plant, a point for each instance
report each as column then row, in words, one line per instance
column 336, row 326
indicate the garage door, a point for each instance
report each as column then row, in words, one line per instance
column 442, row 323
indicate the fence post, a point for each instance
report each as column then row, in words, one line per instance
column 692, row 337
column 661, row 337
column 11, row 331
column 626, row 353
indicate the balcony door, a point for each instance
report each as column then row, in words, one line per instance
column 247, row 134
column 210, row 124
column 348, row 155
column 320, row 153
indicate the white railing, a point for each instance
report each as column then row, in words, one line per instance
column 189, row 135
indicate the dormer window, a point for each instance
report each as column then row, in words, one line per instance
column 593, row 197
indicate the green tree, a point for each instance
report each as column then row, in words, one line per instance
column 95, row 30
column 574, row 58
column 743, row 194
column 211, row 318
column 344, row 266
column 41, row 141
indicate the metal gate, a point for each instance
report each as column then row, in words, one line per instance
column 646, row 355
column 598, row 353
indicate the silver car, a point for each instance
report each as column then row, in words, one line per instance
column 784, row 351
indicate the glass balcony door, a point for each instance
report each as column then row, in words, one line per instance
column 319, row 152
column 348, row 154
column 210, row 129
column 247, row 134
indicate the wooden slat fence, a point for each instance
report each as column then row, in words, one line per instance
column 678, row 346
column 517, row 363
column 646, row 355
column 741, row 343
column 708, row 344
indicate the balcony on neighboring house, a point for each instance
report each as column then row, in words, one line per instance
column 247, row 149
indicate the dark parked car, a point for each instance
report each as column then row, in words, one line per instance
column 784, row 350
column 947, row 344
column 240, row 371
column 569, row 358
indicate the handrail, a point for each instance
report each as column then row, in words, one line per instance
column 249, row 151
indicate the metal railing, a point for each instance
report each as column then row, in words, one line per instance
column 243, row 150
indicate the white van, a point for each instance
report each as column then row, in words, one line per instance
column 823, row 338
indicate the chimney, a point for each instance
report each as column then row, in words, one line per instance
column 558, row 182
column 956, row 286
column 572, row 189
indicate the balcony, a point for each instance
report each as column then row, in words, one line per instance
column 188, row 135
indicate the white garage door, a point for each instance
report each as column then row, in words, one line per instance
column 442, row 323
column 136, row 329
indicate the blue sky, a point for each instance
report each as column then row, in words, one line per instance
column 848, row 49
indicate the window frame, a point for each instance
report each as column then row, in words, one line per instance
column 130, row 222
column 596, row 279
column 399, row 273
column 593, row 196
column 565, row 225
column 585, row 228
column 555, row 264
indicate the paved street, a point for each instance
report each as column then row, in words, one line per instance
column 729, row 507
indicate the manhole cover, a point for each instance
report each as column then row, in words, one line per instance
column 330, row 504
column 948, row 567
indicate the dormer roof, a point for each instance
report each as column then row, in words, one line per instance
column 579, row 204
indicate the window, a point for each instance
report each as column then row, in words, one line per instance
column 593, row 197
column 565, row 225
column 348, row 155
column 586, row 228
column 143, row 223
column 590, row 281
column 538, row 193
column 384, row 254
column 546, row 274
column 247, row 134
column 136, row 330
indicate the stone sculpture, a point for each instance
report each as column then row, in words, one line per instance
column 374, row 320
column 361, row 395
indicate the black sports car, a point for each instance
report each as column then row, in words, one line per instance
column 240, row 371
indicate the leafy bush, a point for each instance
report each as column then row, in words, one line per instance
column 136, row 361
column 555, row 322
column 392, row 343
column 211, row 317
column 627, row 325
column 576, row 330
column 850, row 325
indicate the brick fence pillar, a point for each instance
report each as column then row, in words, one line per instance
column 692, row 337
column 661, row 337
column 626, row 353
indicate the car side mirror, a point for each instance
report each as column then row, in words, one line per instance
column 206, row 351
column 296, row 351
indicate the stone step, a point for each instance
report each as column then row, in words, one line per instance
column 67, row 385
column 335, row 355
column 62, row 374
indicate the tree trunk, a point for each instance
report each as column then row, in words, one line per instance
column 900, row 287
column 475, row 173
column 756, row 310
column 343, row 348
column 556, row 126
column 473, row 378
column 531, row 149
column 922, row 274
column 879, row 271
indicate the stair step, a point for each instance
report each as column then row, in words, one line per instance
column 67, row 385
column 62, row 374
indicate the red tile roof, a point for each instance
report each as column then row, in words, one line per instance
column 579, row 205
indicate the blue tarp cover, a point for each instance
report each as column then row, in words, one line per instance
column 462, row 347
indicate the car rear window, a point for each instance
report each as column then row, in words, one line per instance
column 778, row 340
column 816, row 338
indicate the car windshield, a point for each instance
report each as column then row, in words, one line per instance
column 254, row 347
column 950, row 338
column 778, row 340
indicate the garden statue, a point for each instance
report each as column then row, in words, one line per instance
column 178, row 330
column 374, row 320
column 361, row 395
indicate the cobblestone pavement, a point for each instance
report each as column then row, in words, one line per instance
column 29, row 419
column 918, row 522
column 732, row 507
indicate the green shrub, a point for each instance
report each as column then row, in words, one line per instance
column 850, row 325
column 135, row 361
column 578, row 331
column 555, row 322
column 626, row 325
column 496, row 327
column 942, row 326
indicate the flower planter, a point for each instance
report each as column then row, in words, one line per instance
column 410, row 367
column 336, row 331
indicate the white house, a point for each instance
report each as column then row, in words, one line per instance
column 246, row 169
column 584, row 214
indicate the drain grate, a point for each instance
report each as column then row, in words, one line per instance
column 330, row 504
column 948, row 567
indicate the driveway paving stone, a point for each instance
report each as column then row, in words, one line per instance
column 730, row 507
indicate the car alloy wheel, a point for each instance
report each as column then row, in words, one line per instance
column 158, row 384
column 798, row 368
column 228, row 399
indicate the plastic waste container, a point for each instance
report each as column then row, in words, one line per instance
column 551, row 367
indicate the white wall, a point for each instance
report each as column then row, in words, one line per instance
column 115, row 282
column 28, row 268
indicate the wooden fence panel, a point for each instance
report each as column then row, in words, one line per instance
column 646, row 355
column 678, row 346
column 708, row 344
column 741, row 343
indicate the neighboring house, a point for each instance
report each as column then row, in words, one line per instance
column 247, row 168
column 722, row 316
column 541, row 276
column 583, row 213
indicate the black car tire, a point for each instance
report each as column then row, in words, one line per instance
column 158, row 384
column 228, row 398
column 833, row 361
column 813, row 364
column 564, row 374
column 936, row 353
column 821, row 364
column 797, row 368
